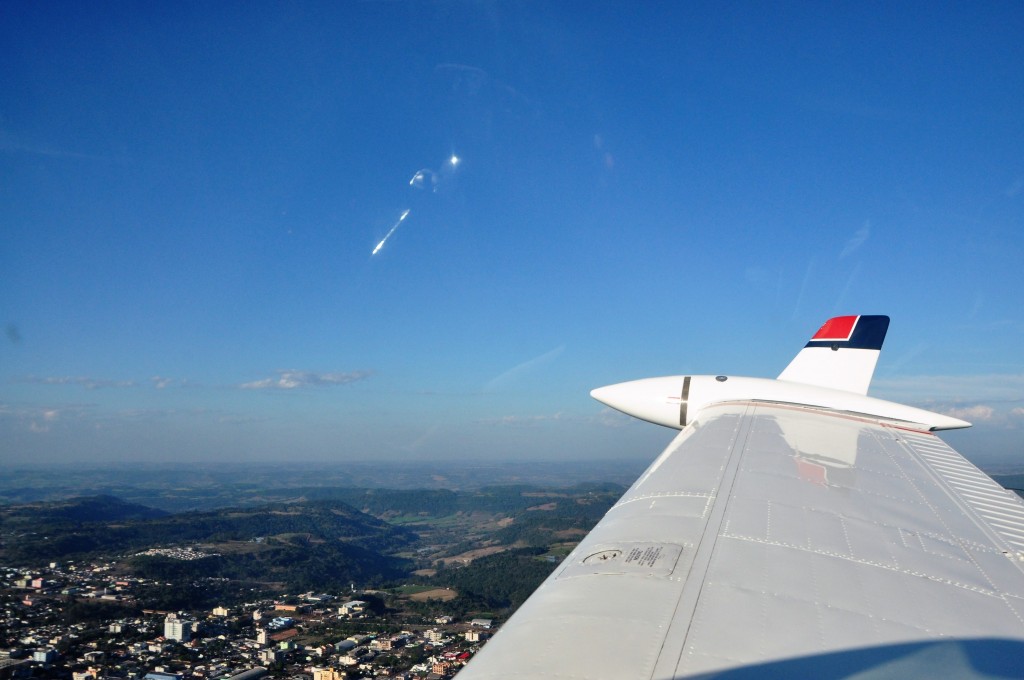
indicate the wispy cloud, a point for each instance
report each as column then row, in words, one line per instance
column 988, row 388
column 526, row 367
column 803, row 288
column 854, row 243
column 43, row 412
column 841, row 300
column 971, row 413
column 11, row 144
column 41, row 419
column 157, row 382
column 45, row 418
column 607, row 159
column 997, row 400
column 292, row 379
column 893, row 365
column 1015, row 188
column 607, row 417
column 528, row 420
column 191, row 415
column 474, row 82
column 78, row 380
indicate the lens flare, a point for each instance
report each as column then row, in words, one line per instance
column 390, row 232
column 422, row 180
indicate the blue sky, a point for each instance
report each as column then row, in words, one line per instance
column 190, row 195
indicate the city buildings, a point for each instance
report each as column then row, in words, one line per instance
column 210, row 644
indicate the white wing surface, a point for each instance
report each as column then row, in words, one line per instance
column 776, row 539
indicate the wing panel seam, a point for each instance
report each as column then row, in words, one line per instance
column 689, row 598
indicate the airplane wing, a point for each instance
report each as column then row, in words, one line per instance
column 814, row 533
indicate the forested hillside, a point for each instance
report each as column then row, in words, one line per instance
column 70, row 530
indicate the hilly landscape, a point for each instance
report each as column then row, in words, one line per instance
column 489, row 547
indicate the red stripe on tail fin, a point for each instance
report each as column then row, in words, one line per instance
column 837, row 328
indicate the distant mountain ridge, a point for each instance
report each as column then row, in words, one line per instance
column 180, row 488
column 91, row 525
column 100, row 508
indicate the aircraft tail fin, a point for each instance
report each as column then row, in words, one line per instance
column 841, row 355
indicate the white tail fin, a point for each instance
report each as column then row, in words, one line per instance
column 841, row 355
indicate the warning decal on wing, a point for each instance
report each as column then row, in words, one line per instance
column 641, row 559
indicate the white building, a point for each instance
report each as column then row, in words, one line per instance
column 44, row 656
column 271, row 656
column 177, row 629
column 351, row 608
column 328, row 674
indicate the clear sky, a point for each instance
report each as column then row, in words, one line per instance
column 191, row 195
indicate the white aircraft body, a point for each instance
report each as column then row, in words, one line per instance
column 794, row 528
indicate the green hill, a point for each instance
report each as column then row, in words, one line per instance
column 105, row 526
column 84, row 509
